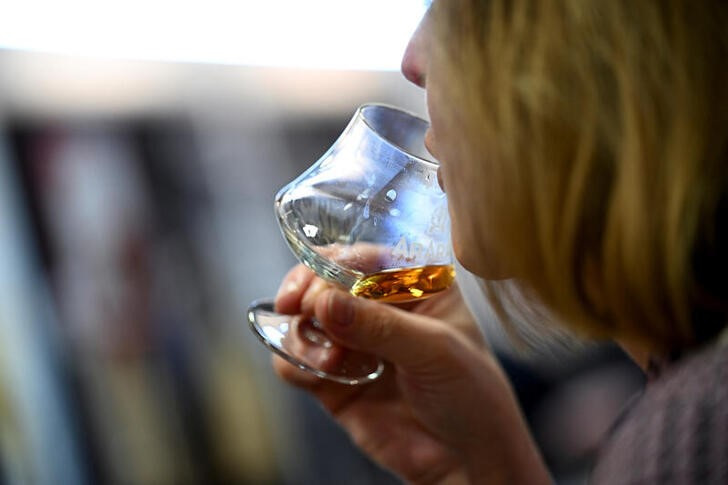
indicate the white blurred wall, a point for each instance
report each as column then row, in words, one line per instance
column 41, row 84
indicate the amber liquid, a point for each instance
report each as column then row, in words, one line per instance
column 405, row 284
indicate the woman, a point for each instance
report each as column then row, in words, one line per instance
column 583, row 148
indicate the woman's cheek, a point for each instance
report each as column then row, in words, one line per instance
column 470, row 234
column 457, row 236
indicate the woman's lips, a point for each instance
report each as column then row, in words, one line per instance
column 429, row 143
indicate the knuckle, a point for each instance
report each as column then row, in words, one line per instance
column 381, row 327
column 451, row 342
column 439, row 344
column 310, row 295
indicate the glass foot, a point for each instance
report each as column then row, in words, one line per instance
column 301, row 342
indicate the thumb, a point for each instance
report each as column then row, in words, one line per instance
column 395, row 335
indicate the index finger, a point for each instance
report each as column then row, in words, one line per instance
column 292, row 289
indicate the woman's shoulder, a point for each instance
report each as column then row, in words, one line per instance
column 677, row 430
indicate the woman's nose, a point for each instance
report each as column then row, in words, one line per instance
column 414, row 60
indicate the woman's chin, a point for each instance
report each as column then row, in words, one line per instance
column 483, row 267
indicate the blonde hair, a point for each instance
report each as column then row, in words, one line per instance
column 597, row 132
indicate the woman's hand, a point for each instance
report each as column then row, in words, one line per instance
column 442, row 412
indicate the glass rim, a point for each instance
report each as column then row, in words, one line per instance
column 360, row 113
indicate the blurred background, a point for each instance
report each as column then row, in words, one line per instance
column 141, row 144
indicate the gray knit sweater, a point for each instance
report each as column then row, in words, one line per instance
column 676, row 431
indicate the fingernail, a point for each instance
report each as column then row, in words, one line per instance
column 341, row 308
